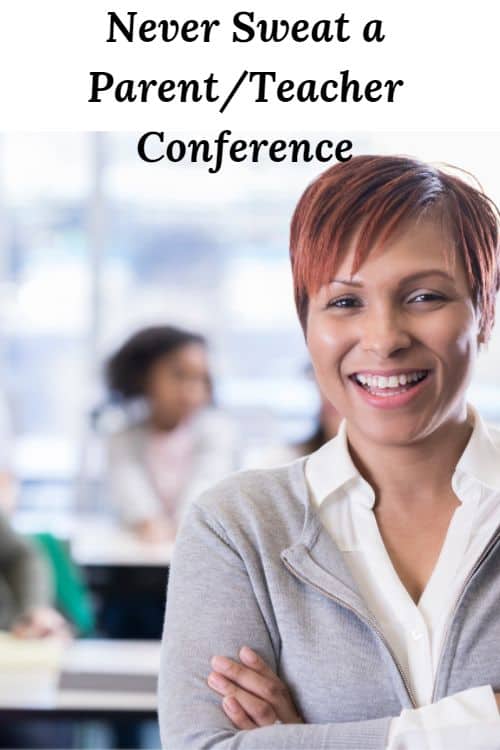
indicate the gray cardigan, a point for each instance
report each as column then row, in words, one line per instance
column 254, row 565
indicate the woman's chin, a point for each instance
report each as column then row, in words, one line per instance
column 393, row 431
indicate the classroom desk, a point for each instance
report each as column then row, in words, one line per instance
column 98, row 679
column 123, row 573
column 95, row 539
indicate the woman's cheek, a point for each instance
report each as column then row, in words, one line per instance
column 322, row 342
column 458, row 336
column 327, row 348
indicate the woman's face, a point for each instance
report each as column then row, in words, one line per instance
column 178, row 384
column 401, row 317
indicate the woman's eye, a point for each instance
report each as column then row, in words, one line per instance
column 427, row 297
column 344, row 302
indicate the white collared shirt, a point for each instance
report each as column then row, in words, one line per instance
column 415, row 632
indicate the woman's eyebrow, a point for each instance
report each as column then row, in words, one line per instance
column 404, row 280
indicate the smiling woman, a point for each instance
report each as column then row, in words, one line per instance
column 401, row 300
column 364, row 578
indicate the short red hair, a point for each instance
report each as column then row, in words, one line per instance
column 375, row 195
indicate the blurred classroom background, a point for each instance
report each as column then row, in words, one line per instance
column 94, row 246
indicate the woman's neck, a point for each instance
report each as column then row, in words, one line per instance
column 416, row 472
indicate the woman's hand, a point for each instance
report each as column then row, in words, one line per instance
column 253, row 695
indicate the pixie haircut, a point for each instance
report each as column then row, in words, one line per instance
column 128, row 369
column 372, row 197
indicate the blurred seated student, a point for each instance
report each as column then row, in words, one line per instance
column 26, row 588
column 157, row 465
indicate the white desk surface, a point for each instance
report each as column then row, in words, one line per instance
column 85, row 700
column 102, row 542
column 96, row 539
column 23, row 687
column 119, row 657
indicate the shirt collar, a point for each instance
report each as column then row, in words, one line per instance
column 331, row 466
column 480, row 460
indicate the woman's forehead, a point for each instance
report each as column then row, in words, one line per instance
column 415, row 248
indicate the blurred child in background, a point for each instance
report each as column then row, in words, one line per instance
column 181, row 446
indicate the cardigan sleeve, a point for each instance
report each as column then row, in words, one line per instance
column 211, row 608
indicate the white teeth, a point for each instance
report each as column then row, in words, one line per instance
column 381, row 382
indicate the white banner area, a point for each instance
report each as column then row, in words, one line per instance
column 270, row 66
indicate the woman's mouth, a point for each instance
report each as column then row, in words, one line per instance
column 395, row 389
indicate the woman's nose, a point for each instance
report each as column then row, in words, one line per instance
column 384, row 333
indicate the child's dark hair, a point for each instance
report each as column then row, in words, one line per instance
column 128, row 368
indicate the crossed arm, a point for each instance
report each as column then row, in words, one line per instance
column 212, row 610
column 254, row 696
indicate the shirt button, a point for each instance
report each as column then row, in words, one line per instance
column 416, row 635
